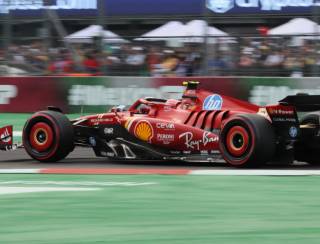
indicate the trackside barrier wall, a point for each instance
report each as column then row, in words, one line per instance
column 98, row 94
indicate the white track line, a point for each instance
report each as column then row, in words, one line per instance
column 17, row 133
column 267, row 172
column 4, row 190
column 74, row 183
column 20, row 171
column 217, row 172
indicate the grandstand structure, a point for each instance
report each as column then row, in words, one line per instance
column 49, row 21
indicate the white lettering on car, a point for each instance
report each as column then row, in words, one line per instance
column 163, row 125
column 108, row 131
column 165, row 138
column 195, row 144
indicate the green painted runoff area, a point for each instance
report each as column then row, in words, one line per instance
column 171, row 210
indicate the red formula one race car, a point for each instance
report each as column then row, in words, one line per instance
column 200, row 126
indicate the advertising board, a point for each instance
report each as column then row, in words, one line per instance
column 30, row 94
column 99, row 94
column 10, row 5
column 65, row 8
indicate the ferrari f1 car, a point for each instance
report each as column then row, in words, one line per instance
column 200, row 126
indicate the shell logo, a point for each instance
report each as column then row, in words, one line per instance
column 143, row 130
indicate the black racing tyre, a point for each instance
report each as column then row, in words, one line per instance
column 48, row 136
column 247, row 140
column 307, row 149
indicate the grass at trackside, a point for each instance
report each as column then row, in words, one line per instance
column 177, row 210
column 18, row 119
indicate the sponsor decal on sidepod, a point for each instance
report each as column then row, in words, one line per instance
column 191, row 143
column 143, row 130
column 212, row 102
column 165, row 125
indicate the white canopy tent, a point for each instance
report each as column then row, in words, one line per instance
column 297, row 26
column 87, row 34
column 162, row 33
column 193, row 31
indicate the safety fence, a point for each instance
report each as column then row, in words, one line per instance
column 284, row 56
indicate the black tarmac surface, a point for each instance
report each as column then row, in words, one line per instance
column 85, row 158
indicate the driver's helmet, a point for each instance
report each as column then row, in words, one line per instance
column 144, row 109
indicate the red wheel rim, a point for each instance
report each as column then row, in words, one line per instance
column 237, row 141
column 41, row 137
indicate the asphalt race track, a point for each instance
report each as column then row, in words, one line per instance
column 85, row 158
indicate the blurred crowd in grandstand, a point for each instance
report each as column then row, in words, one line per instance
column 240, row 56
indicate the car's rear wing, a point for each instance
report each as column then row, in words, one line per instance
column 302, row 102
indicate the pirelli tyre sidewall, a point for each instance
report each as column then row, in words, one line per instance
column 48, row 136
column 247, row 140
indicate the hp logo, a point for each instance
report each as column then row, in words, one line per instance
column 212, row 102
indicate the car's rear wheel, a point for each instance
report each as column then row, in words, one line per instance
column 247, row 140
column 48, row 136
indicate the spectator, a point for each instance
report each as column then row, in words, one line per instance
column 196, row 67
column 91, row 63
column 61, row 64
column 136, row 57
column 135, row 61
column 216, row 65
column 246, row 60
column 181, row 67
column 154, row 58
column 294, row 65
column 275, row 59
column 168, row 65
column 250, row 56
